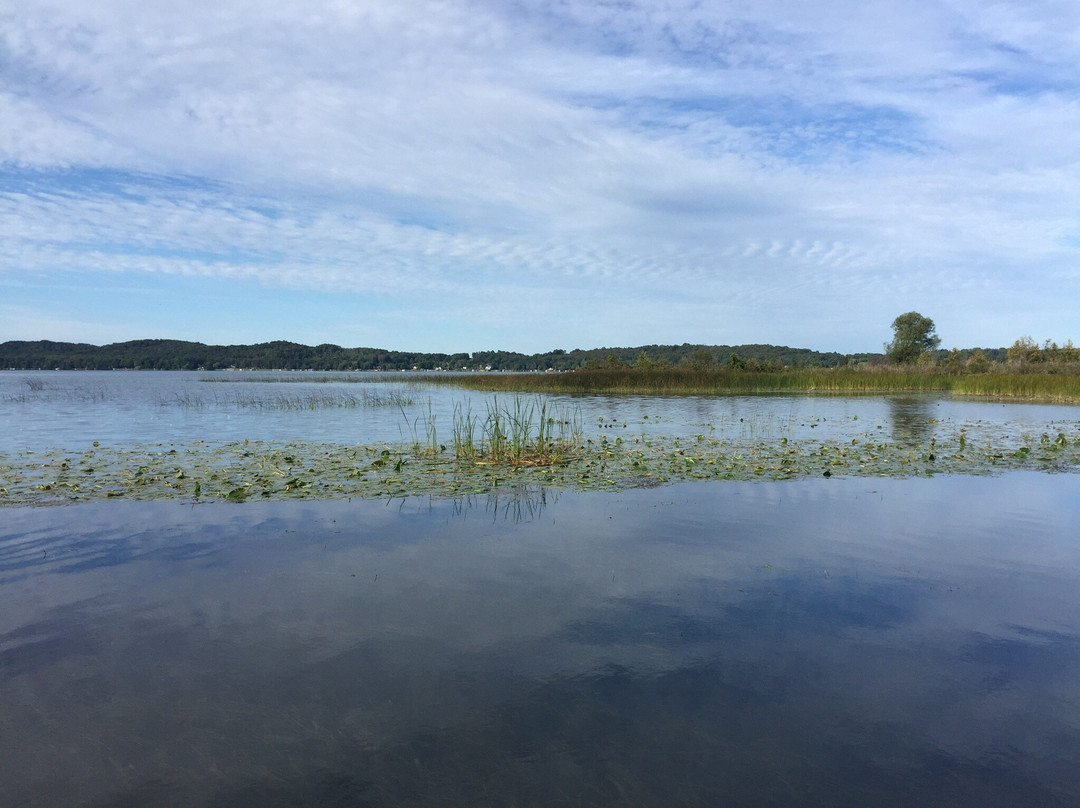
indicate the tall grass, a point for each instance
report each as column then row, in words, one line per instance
column 1053, row 387
column 730, row 381
column 309, row 377
column 465, row 444
column 526, row 433
column 288, row 401
column 430, row 444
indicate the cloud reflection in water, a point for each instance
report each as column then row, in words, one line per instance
column 836, row 642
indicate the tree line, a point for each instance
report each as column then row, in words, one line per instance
column 915, row 341
column 163, row 354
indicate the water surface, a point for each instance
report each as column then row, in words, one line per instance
column 822, row 642
column 68, row 410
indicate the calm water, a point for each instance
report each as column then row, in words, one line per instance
column 824, row 642
column 842, row 642
column 70, row 410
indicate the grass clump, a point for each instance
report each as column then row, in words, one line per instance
column 524, row 433
column 527, row 433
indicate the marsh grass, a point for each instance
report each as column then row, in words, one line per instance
column 38, row 391
column 308, row 377
column 528, row 432
column 464, row 439
column 290, row 401
column 424, row 424
column 1055, row 387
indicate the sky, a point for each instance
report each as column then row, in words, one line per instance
column 464, row 175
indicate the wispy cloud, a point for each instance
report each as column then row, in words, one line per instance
column 679, row 170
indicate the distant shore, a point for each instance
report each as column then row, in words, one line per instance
column 160, row 354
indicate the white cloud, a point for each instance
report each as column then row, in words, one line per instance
column 767, row 155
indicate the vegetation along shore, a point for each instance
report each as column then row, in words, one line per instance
column 1003, row 383
column 1026, row 370
column 911, row 361
column 532, row 442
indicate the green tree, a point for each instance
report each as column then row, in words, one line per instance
column 1023, row 351
column 953, row 363
column 700, row 358
column 978, row 363
column 913, row 334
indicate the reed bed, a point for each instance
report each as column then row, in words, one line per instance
column 308, row 377
column 1053, row 387
column 1063, row 388
column 37, row 392
column 289, row 402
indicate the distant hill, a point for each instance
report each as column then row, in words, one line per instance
column 164, row 354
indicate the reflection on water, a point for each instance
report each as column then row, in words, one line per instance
column 826, row 642
column 523, row 503
column 911, row 419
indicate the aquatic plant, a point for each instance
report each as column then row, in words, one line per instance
column 528, row 432
column 429, row 445
column 288, row 401
column 488, row 457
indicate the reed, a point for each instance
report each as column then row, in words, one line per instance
column 429, row 444
column 463, row 439
column 525, row 433
column 730, row 381
column 288, row 401
column 1054, row 387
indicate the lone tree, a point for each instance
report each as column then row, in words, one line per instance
column 912, row 335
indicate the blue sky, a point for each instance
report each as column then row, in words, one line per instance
column 462, row 176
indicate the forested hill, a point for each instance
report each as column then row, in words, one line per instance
column 161, row 354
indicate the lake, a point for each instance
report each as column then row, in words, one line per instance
column 70, row 410
column 844, row 641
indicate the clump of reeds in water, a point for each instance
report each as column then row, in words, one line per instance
column 429, row 445
column 530, row 432
column 38, row 391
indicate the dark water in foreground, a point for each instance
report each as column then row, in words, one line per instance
column 826, row 642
